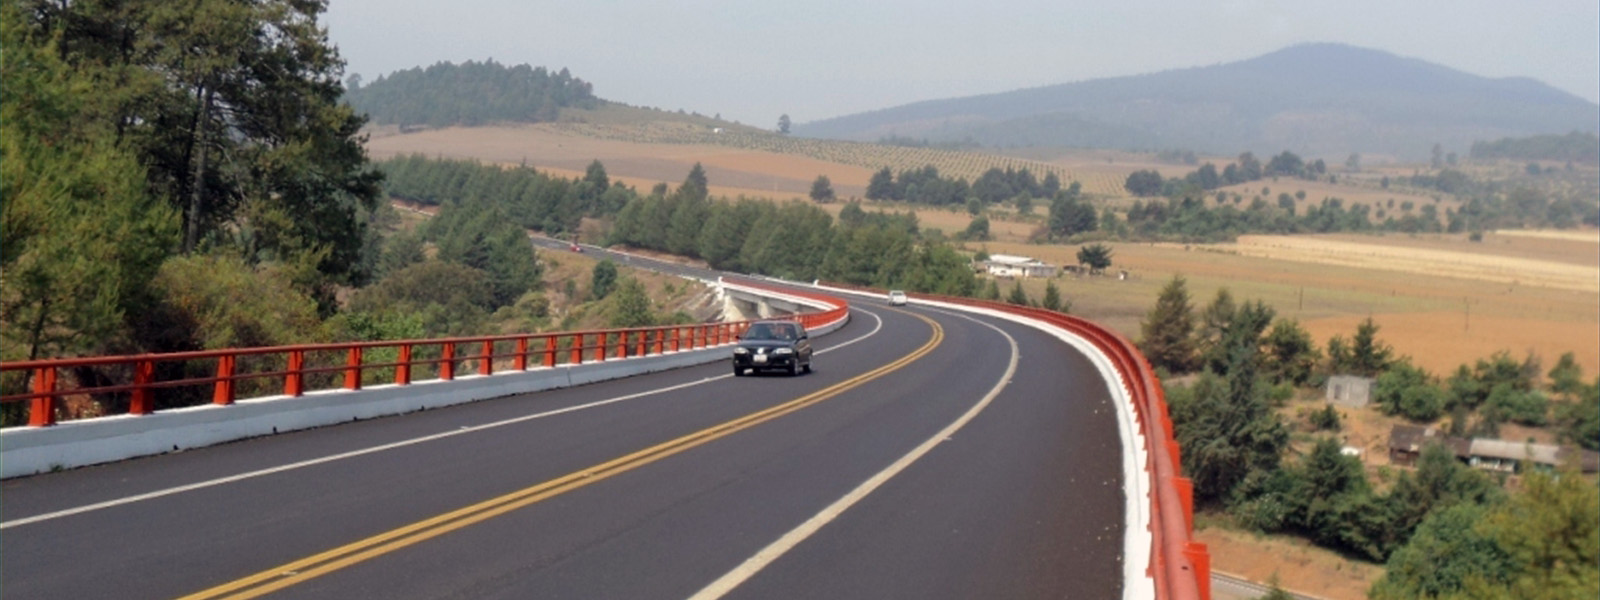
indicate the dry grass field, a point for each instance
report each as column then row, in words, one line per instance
column 1299, row 566
column 1453, row 310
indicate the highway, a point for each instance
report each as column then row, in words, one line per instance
column 931, row 455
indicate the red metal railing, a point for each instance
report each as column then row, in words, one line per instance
column 142, row 380
column 1180, row 566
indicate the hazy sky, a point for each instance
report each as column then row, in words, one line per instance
column 752, row 60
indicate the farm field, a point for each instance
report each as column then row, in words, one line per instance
column 732, row 172
column 1440, row 321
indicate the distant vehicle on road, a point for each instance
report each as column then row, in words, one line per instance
column 773, row 345
column 575, row 248
column 897, row 298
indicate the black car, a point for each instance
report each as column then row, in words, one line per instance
column 780, row 345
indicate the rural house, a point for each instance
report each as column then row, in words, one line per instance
column 1006, row 265
column 1407, row 441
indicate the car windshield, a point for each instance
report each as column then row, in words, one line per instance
column 769, row 331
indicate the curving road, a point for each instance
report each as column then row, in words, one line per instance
column 931, row 455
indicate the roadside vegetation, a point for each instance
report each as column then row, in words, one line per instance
column 1443, row 530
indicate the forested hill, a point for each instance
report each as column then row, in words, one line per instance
column 471, row 93
column 1315, row 99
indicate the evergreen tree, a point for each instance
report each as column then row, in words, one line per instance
column 81, row 234
column 882, row 187
column 602, row 279
column 1095, row 256
column 596, row 176
column 1052, row 297
column 1369, row 356
column 632, row 305
column 1290, row 354
column 1018, row 296
column 1167, row 338
column 822, row 190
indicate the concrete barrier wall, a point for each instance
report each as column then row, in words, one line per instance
column 30, row 450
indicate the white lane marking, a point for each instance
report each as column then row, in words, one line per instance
column 794, row 537
column 390, row 446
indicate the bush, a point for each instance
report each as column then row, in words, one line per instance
column 220, row 302
column 1408, row 391
column 1506, row 403
column 1326, row 419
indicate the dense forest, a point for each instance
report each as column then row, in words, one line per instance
column 1445, row 530
column 471, row 93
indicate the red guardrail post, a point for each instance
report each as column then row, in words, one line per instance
column 42, row 410
column 603, row 343
column 675, row 342
column 622, row 343
column 1200, row 557
column 293, row 381
column 144, row 372
column 577, row 349
column 644, row 337
column 659, row 337
column 447, row 361
column 522, row 354
column 486, row 364
column 549, row 350
column 222, row 392
column 352, row 370
column 402, row 371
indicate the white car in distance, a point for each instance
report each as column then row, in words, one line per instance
column 897, row 298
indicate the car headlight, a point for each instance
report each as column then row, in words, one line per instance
column 740, row 350
column 783, row 351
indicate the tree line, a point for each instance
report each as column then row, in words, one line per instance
column 1576, row 147
column 1234, row 445
column 468, row 94
column 793, row 240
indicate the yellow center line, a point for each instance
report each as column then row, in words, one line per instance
column 329, row 561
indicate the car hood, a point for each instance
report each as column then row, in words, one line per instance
column 753, row 344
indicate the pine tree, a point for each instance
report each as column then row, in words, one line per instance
column 1168, row 330
column 1052, row 295
column 1018, row 296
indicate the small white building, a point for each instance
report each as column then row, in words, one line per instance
column 1349, row 390
column 1006, row 265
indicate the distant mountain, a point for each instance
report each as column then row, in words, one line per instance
column 1313, row 99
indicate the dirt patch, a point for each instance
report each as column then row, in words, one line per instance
column 1300, row 567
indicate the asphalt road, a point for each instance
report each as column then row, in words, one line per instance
column 927, row 457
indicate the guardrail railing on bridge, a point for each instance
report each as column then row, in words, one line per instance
column 1179, row 566
column 141, row 384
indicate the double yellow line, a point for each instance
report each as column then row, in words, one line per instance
column 323, row 563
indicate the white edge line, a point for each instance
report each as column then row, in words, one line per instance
column 390, row 446
column 753, row 565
